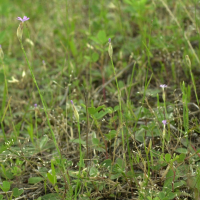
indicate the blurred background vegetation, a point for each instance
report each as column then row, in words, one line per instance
column 66, row 43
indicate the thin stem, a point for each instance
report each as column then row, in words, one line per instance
column 41, row 97
column 45, row 110
column 120, row 108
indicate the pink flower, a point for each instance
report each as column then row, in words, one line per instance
column 25, row 18
column 163, row 86
column 164, row 122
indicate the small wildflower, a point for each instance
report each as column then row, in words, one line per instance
column 76, row 115
column 25, row 18
column 35, row 105
column 163, row 86
column 20, row 27
column 110, row 49
column 164, row 122
column 1, row 53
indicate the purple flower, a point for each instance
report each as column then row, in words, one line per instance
column 164, row 122
column 72, row 102
column 25, row 18
column 109, row 40
column 35, row 105
column 163, row 86
column 43, row 62
column 0, row 46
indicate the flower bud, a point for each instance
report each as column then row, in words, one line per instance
column 20, row 31
column 110, row 49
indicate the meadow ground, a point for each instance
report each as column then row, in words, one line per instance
column 99, row 99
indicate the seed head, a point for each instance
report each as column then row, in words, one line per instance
column 110, row 49
column 76, row 115
column 187, row 58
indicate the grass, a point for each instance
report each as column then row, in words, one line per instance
column 113, row 142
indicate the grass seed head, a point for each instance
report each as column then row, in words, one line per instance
column 110, row 49
column 188, row 60
column 76, row 115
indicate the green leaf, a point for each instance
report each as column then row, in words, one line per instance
column 101, row 114
column 171, row 195
column 161, row 195
column 17, row 192
column 111, row 134
column 102, row 37
column 73, row 47
column 121, row 163
column 109, row 109
column 100, row 107
column 6, row 186
column 92, row 110
column 51, row 178
column 181, row 157
column 139, row 135
column 198, row 151
column 95, row 141
column 34, row 180
column 107, row 163
column 179, row 184
column 167, row 157
column 95, row 57
column 168, row 182
column 43, row 141
column 182, row 150
column 94, row 39
column 116, row 108
column 1, row 77
column 93, row 171
column 43, row 171
column 1, row 197
column 53, row 168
